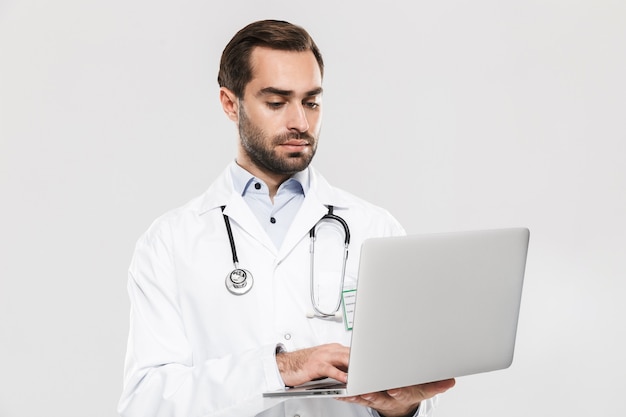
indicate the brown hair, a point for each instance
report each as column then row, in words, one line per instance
column 235, row 70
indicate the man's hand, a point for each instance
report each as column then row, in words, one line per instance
column 305, row 365
column 401, row 401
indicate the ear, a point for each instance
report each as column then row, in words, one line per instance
column 229, row 103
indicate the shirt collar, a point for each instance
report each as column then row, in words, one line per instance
column 221, row 191
column 299, row 183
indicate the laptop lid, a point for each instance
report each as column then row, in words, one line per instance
column 431, row 307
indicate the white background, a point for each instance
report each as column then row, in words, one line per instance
column 451, row 114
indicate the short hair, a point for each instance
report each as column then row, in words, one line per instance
column 235, row 69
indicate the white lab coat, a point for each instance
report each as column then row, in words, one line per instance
column 196, row 350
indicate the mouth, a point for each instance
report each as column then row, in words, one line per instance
column 294, row 145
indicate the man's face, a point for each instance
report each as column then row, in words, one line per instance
column 280, row 113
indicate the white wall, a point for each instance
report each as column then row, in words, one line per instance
column 468, row 114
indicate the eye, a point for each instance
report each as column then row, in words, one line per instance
column 275, row 104
column 312, row 105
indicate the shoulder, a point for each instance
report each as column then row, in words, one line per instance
column 375, row 220
column 170, row 223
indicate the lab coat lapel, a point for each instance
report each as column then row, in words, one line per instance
column 310, row 212
column 239, row 212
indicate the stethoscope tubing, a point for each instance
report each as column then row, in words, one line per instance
column 318, row 311
column 229, row 230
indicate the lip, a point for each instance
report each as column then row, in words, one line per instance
column 294, row 145
column 295, row 142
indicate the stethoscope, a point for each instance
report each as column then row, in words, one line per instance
column 239, row 281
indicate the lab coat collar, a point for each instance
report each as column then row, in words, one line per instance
column 321, row 194
column 222, row 193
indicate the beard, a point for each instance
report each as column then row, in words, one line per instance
column 260, row 148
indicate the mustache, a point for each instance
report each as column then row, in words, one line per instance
column 294, row 135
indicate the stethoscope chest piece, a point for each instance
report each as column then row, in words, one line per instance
column 239, row 281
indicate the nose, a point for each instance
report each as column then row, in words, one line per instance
column 298, row 119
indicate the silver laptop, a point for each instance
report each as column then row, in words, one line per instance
column 431, row 307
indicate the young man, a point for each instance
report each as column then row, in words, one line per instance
column 208, row 337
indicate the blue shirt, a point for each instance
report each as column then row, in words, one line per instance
column 275, row 217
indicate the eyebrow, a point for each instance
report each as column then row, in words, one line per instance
column 287, row 93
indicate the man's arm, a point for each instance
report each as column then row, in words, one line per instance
column 162, row 375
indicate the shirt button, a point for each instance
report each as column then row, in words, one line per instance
column 257, row 186
column 272, row 220
column 287, row 336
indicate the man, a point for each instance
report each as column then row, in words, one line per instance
column 206, row 342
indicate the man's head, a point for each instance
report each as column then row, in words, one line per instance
column 235, row 66
column 271, row 86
